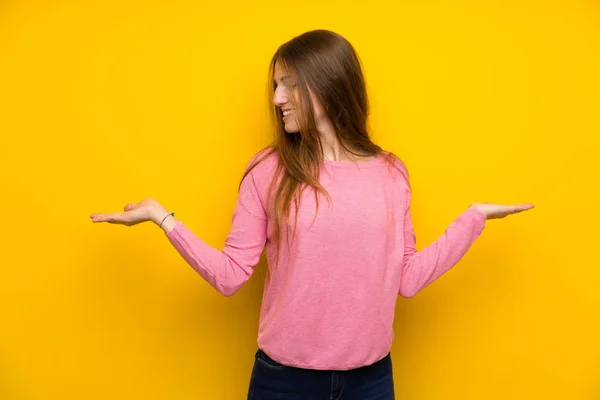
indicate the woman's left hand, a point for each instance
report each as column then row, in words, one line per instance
column 493, row 211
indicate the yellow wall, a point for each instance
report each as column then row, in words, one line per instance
column 104, row 103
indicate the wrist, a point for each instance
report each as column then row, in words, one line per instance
column 168, row 223
column 158, row 214
column 476, row 206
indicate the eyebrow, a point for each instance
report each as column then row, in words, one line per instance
column 283, row 78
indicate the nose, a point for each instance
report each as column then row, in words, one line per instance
column 280, row 97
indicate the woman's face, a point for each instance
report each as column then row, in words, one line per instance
column 286, row 96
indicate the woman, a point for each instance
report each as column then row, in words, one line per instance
column 334, row 272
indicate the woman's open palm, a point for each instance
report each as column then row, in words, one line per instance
column 494, row 211
column 134, row 213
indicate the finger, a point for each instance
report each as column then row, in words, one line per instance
column 110, row 218
column 521, row 207
column 97, row 217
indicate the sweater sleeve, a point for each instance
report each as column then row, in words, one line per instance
column 227, row 270
column 421, row 268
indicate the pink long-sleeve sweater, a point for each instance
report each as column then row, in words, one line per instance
column 330, row 302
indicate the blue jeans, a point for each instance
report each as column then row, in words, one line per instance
column 271, row 380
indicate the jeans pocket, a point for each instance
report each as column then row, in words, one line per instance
column 267, row 361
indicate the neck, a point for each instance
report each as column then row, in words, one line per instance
column 332, row 148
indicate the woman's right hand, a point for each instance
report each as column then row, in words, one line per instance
column 134, row 213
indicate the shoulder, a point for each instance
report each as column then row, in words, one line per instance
column 264, row 162
column 397, row 169
column 262, row 169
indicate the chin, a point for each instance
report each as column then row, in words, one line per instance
column 291, row 128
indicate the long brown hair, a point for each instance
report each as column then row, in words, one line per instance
column 328, row 64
